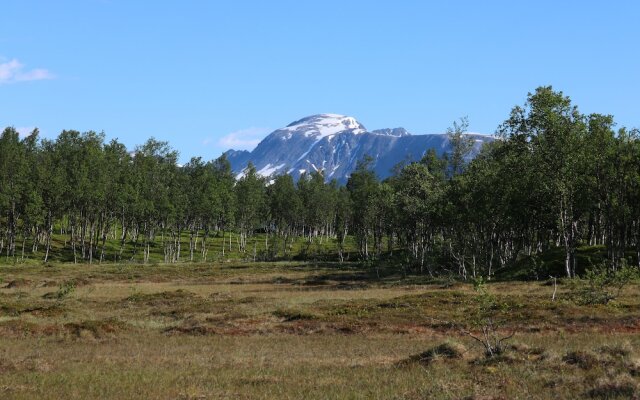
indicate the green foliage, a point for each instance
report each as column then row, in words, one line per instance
column 601, row 284
column 488, row 307
column 364, row 189
column 488, row 315
column 65, row 290
column 461, row 145
column 559, row 191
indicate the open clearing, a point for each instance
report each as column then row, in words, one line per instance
column 295, row 330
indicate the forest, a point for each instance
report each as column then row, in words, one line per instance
column 510, row 274
column 555, row 180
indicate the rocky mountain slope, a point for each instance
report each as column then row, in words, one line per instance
column 334, row 144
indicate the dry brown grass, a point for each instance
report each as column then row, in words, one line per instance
column 282, row 331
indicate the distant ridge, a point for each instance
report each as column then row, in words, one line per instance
column 334, row 144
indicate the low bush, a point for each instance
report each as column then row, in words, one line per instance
column 583, row 359
column 621, row 387
column 601, row 284
column 444, row 351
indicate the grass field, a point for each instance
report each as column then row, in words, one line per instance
column 298, row 330
column 259, row 246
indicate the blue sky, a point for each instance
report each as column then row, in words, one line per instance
column 209, row 75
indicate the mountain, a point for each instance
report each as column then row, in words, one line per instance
column 334, row 144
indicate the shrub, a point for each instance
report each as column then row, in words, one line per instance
column 65, row 289
column 293, row 315
column 600, row 284
column 622, row 387
column 444, row 351
column 617, row 351
column 582, row 359
column 487, row 318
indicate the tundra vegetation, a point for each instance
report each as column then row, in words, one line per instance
column 274, row 330
column 514, row 275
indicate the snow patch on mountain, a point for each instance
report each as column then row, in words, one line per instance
column 333, row 144
column 269, row 170
column 324, row 125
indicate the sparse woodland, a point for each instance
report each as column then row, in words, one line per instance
column 125, row 275
column 555, row 180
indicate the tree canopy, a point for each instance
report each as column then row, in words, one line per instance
column 555, row 179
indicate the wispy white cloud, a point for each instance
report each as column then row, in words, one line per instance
column 14, row 71
column 25, row 131
column 243, row 139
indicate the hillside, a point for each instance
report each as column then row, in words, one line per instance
column 334, row 144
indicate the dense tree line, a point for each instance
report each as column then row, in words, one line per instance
column 555, row 178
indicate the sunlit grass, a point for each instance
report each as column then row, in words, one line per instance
column 295, row 330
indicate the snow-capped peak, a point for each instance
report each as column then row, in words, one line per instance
column 323, row 125
column 334, row 144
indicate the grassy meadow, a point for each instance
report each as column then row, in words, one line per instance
column 259, row 247
column 299, row 330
